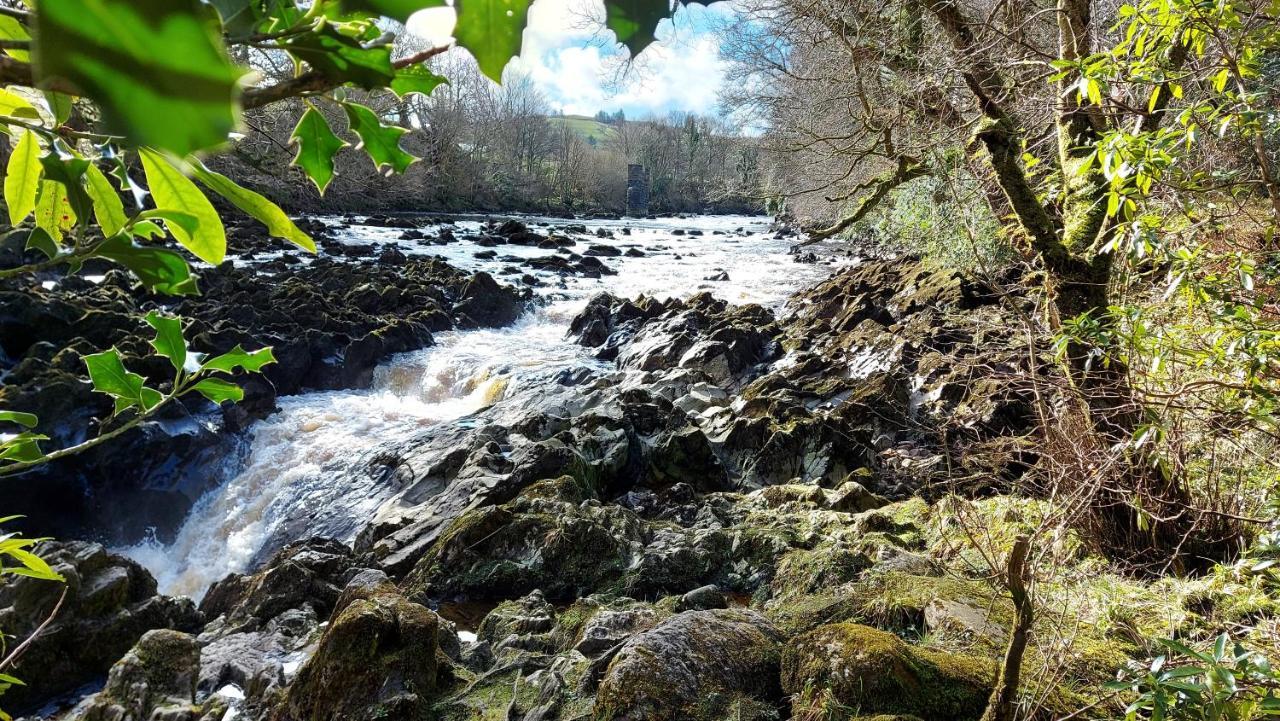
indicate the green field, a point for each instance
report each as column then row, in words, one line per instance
column 589, row 128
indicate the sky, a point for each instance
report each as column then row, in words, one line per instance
column 576, row 64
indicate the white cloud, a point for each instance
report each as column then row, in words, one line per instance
column 582, row 70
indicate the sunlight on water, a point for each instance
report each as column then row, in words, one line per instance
column 301, row 467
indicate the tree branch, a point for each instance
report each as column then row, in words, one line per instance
column 908, row 169
column 316, row 82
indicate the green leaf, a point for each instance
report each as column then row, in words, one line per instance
column 416, row 79
column 53, row 211
column 172, row 190
column 40, row 240
column 381, row 142
column 11, row 29
column 395, row 9
column 22, row 448
column 17, row 106
column 185, row 221
column 278, row 224
column 168, row 341
column 160, row 270
column 239, row 358
column 60, row 104
column 317, row 145
column 26, row 420
column 22, row 178
column 107, row 208
column 219, row 391
column 343, row 59
column 493, row 30
column 127, row 388
column 634, row 22
column 156, row 68
column 69, row 171
column 32, row 565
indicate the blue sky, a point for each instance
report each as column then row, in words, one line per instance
column 576, row 64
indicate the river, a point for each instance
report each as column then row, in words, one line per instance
column 298, row 469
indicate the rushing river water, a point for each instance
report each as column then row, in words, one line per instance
column 299, row 459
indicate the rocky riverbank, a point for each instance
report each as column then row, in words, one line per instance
column 732, row 513
column 330, row 322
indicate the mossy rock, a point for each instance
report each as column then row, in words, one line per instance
column 695, row 666
column 877, row 672
column 377, row 660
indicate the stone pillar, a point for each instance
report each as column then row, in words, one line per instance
column 637, row 190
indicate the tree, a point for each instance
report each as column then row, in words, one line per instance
column 876, row 95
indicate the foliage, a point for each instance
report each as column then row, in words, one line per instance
column 1225, row 683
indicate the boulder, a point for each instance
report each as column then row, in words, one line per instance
column 693, row 666
column 110, row 602
column 376, row 660
column 155, row 680
column 877, row 672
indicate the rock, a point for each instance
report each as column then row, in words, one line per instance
column 602, row 250
column 377, row 660
column 876, row 672
column 155, row 680
column 702, row 599
column 608, row 627
column 305, row 574
column 692, row 666
column 330, row 323
column 110, row 603
column 853, row 497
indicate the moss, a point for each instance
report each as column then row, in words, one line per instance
column 876, row 672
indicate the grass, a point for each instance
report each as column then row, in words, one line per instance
column 591, row 130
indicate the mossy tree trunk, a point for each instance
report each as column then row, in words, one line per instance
column 1068, row 239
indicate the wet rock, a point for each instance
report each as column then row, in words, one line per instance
column 329, row 324
column 305, row 574
column 376, row 660
column 602, row 250
column 878, row 673
column 693, row 666
column 155, row 680
column 110, row 603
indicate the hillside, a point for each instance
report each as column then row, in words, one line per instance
column 590, row 129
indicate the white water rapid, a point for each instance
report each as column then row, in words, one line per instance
column 295, row 466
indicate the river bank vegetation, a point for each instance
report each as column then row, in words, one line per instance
column 1008, row 451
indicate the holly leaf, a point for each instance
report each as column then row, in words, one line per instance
column 168, row 341
column 381, row 142
column 416, row 79
column 53, row 211
column 128, row 389
column 634, row 22
column 343, row 59
column 240, row 358
column 156, row 68
column 278, row 224
column 171, row 190
column 219, row 391
column 26, row 420
column 160, row 270
column 107, row 208
column 493, row 30
column 11, row 29
column 22, row 178
column 40, row 240
column 317, row 145
column 395, row 9
column 69, row 171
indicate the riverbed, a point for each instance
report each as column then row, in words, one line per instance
column 300, row 471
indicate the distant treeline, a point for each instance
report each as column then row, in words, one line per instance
column 489, row 147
